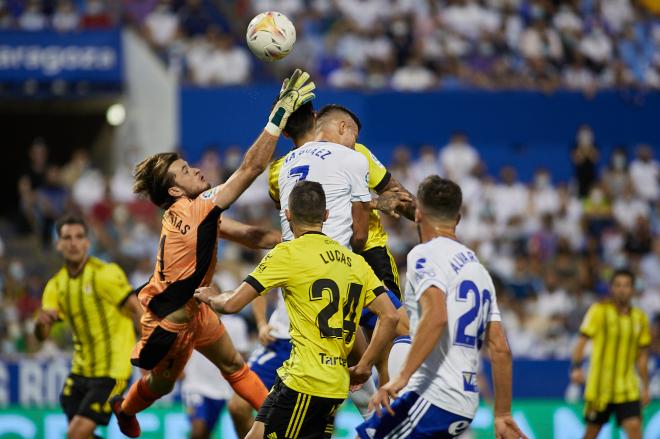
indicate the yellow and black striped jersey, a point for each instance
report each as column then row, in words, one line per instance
column 325, row 287
column 616, row 340
column 378, row 179
column 103, row 337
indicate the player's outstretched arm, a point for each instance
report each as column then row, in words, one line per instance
column 295, row 92
column 500, row 357
column 382, row 336
column 229, row 302
column 254, row 237
column 360, row 212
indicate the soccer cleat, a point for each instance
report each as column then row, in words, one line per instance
column 128, row 424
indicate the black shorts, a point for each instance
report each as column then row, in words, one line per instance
column 88, row 397
column 288, row 414
column 622, row 411
column 382, row 263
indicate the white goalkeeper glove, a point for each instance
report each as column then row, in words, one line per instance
column 293, row 94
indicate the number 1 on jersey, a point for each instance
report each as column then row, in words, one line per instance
column 300, row 172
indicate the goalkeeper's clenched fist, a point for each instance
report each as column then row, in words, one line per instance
column 294, row 93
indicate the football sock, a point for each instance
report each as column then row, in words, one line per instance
column 248, row 386
column 361, row 397
column 138, row 398
column 398, row 354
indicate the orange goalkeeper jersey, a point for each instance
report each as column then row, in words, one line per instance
column 186, row 254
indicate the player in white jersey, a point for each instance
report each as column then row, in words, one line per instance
column 343, row 172
column 453, row 311
column 204, row 393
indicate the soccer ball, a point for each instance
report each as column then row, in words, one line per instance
column 270, row 36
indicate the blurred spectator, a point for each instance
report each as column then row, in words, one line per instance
column 162, row 25
column 95, row 15
column 6, row 18
column 218, row 60
column 509, row 197
column 194, row 18
column 585, row 158
column 544, row 198
column 52, row 202
column 65, row 18
column 615, row 176
column 426, row 165
column 413, row 76
column 650, row 268
column 627, row 209
column 346, row 76
column 458, row 158
column 33, row 17
column 210, row 166
column 645, row 174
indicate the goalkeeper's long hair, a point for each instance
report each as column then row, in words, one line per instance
column 152, row 178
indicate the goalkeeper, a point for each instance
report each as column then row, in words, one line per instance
column 174, row 323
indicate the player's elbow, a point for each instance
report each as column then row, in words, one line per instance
column 389, row 318
column 500, row 353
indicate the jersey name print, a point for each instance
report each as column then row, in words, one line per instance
column 343, row 173
column 448, row 376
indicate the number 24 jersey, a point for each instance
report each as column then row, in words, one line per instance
column 448, row 376
column 325, row 287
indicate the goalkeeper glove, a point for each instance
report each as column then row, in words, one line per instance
column 293, row 94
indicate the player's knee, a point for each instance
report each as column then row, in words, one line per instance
column 78, row 432
column 232, row 364
column 160, row 385
column 633, row 428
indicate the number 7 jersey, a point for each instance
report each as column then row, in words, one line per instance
column 448, row 376
column 325, row 286
column 344, row 175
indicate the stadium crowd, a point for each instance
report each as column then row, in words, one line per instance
column 581, row 45
column 550, row 246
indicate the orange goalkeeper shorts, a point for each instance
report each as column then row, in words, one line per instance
column 166, row 347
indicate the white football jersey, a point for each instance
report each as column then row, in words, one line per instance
column 448, row 376
column 344, row 175
column 201, row 377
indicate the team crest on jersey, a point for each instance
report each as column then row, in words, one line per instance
column 87, row 288
column 421, row 270
column 207, row 195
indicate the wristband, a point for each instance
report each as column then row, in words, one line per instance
column 576, row 364
column 272, row 129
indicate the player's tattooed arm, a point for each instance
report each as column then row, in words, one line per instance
column 228, row 302
column 394, row 199
column 254, row 237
